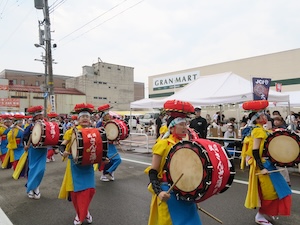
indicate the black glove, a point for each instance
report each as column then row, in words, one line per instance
column 61, row 149
column 257, row 158
column 154, row 181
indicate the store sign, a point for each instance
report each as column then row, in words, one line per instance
column 10, row 102
column 175, row 81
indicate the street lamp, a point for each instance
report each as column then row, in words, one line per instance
column 46, row 83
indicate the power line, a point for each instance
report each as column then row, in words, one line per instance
column 92, row 20
column 53, row 7
column 9, row 37
column 105, row 21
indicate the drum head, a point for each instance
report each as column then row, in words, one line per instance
column 36, row 133
column 74, row 146
column 284, row 149
column 112, row 131
column 187, row 162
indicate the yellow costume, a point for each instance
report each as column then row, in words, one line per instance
column 268, row 192
column 159, row 214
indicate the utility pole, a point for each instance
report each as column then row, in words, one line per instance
column 43, row 4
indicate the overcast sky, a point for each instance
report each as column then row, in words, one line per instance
column 153, row 36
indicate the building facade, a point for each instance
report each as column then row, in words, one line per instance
column 282, row 67
column 99, row 84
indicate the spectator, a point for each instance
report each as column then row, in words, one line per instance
column 199, row 123
column 158, row 123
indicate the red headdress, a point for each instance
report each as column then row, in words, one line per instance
column 27, row 117
column 18, row 117
column 74, row 117
column 104, row 107
column 255, row 105
column 52, row 115
column 84, row 107
column 178, row 108
column 35, row 110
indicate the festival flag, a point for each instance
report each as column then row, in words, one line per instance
column 278, row 87
column 261, row 88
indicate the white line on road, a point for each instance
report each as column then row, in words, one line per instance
column 235, row 180
column 4, row 219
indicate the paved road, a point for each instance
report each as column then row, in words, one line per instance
column 124, row 201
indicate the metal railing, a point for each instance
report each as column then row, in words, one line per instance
column 137, row 143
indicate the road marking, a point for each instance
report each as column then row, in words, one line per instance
column 234, row 180
column 4, row 219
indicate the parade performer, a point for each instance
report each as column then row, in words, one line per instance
column 165, row 208
column 78, row 184
column 267, row 191
column 115, row 158
column 36, row 156
column 53, row 117
column 15, row 141
column 4, row 129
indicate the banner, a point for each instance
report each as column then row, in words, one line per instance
column 278, row 87
column 10, row 102
column 261, row 88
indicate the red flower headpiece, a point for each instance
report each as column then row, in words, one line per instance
column 178, row 108
column 74, row 117
column 84, row 107
column 52, row 115
column 104, row 107
column 255, row 105
column 19, row 116
column 28, row 117
column 35, row 110
column 5, row 116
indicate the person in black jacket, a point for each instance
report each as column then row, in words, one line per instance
column 199, row 123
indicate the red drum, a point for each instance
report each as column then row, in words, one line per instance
column 88, row 146
column 45, row 134
column 282, row 148
column 117, row 130
column 206, row 166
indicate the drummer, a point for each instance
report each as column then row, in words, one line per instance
column 36, row 156
column 171, row 211
column 268, row 192
column 78, row 184
column 15, row 141
column 4, row 129
column 115, row 158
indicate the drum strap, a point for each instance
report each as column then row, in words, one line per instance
column 154, row 181
column 257, row 158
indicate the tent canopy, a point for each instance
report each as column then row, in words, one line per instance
column 217, row 89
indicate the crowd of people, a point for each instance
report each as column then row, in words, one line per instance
column 269, row 192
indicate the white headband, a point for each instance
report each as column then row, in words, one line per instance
column 84, row 113
column 173, row 123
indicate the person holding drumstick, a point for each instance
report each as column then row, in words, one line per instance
column 267, row 190
column 115, row 158
column 36, row 156
column 165, row 208
column 78, row 184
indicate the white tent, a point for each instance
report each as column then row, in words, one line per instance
column 294, row 99
column 217, row 89
column 147, row 103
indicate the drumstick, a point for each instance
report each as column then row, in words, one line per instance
column 63, row 159
column 271, row 171
column 113, row 156
column 209, row 214
column 171, row 188
column 121, row 147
